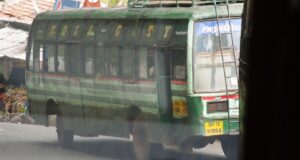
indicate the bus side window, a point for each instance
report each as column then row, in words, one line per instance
column 48, row 59
column 112, row 62
column 30, row 61
column 150, row 63
column 127, row 62
column 179, row 65
column 89, row 58
column 144, row 63
column 61, row 58
column 100, row 61
column 74, row 59
column 38, row 57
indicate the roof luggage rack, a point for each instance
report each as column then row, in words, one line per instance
column 174, row 3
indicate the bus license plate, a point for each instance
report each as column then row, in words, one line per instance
column 213, row 128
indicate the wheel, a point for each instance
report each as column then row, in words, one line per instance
column 64, row 137
column 230, row 146
column 141, row 144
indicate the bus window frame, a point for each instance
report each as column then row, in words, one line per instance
column 193, row 52
column 65, row 58
column 45, row 41
column 107, row 57
column 37, row 41
column 69, row 46
column 30, row 47
column 129, row 51
column 36, row 51
column 82, row 40
column 53, row 41
column 136, row 58
column 100, row 49
column 82, row 60
column 64, row 40
column 172, row 63
column 55, row 57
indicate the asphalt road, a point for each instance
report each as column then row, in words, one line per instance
column 34, row 142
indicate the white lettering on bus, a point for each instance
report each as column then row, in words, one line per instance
column 167, row 30
column 223, row 28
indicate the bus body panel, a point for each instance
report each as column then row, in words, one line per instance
column 95, row 104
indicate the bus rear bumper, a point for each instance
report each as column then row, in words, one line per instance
column 202, row 141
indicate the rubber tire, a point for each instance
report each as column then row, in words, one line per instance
column 230, row 146
column 65, row 138
column 141, row 144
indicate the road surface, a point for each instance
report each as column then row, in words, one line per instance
column 34, row 142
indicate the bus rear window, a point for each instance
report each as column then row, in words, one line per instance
column 207, row 56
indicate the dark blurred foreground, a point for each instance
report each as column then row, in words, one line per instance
column 270, row 41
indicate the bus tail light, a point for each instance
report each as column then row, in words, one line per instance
column 220, row 106
column 208, row 98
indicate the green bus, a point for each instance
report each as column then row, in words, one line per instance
column 163, row 72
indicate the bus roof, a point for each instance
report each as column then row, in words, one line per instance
column 197, row 12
